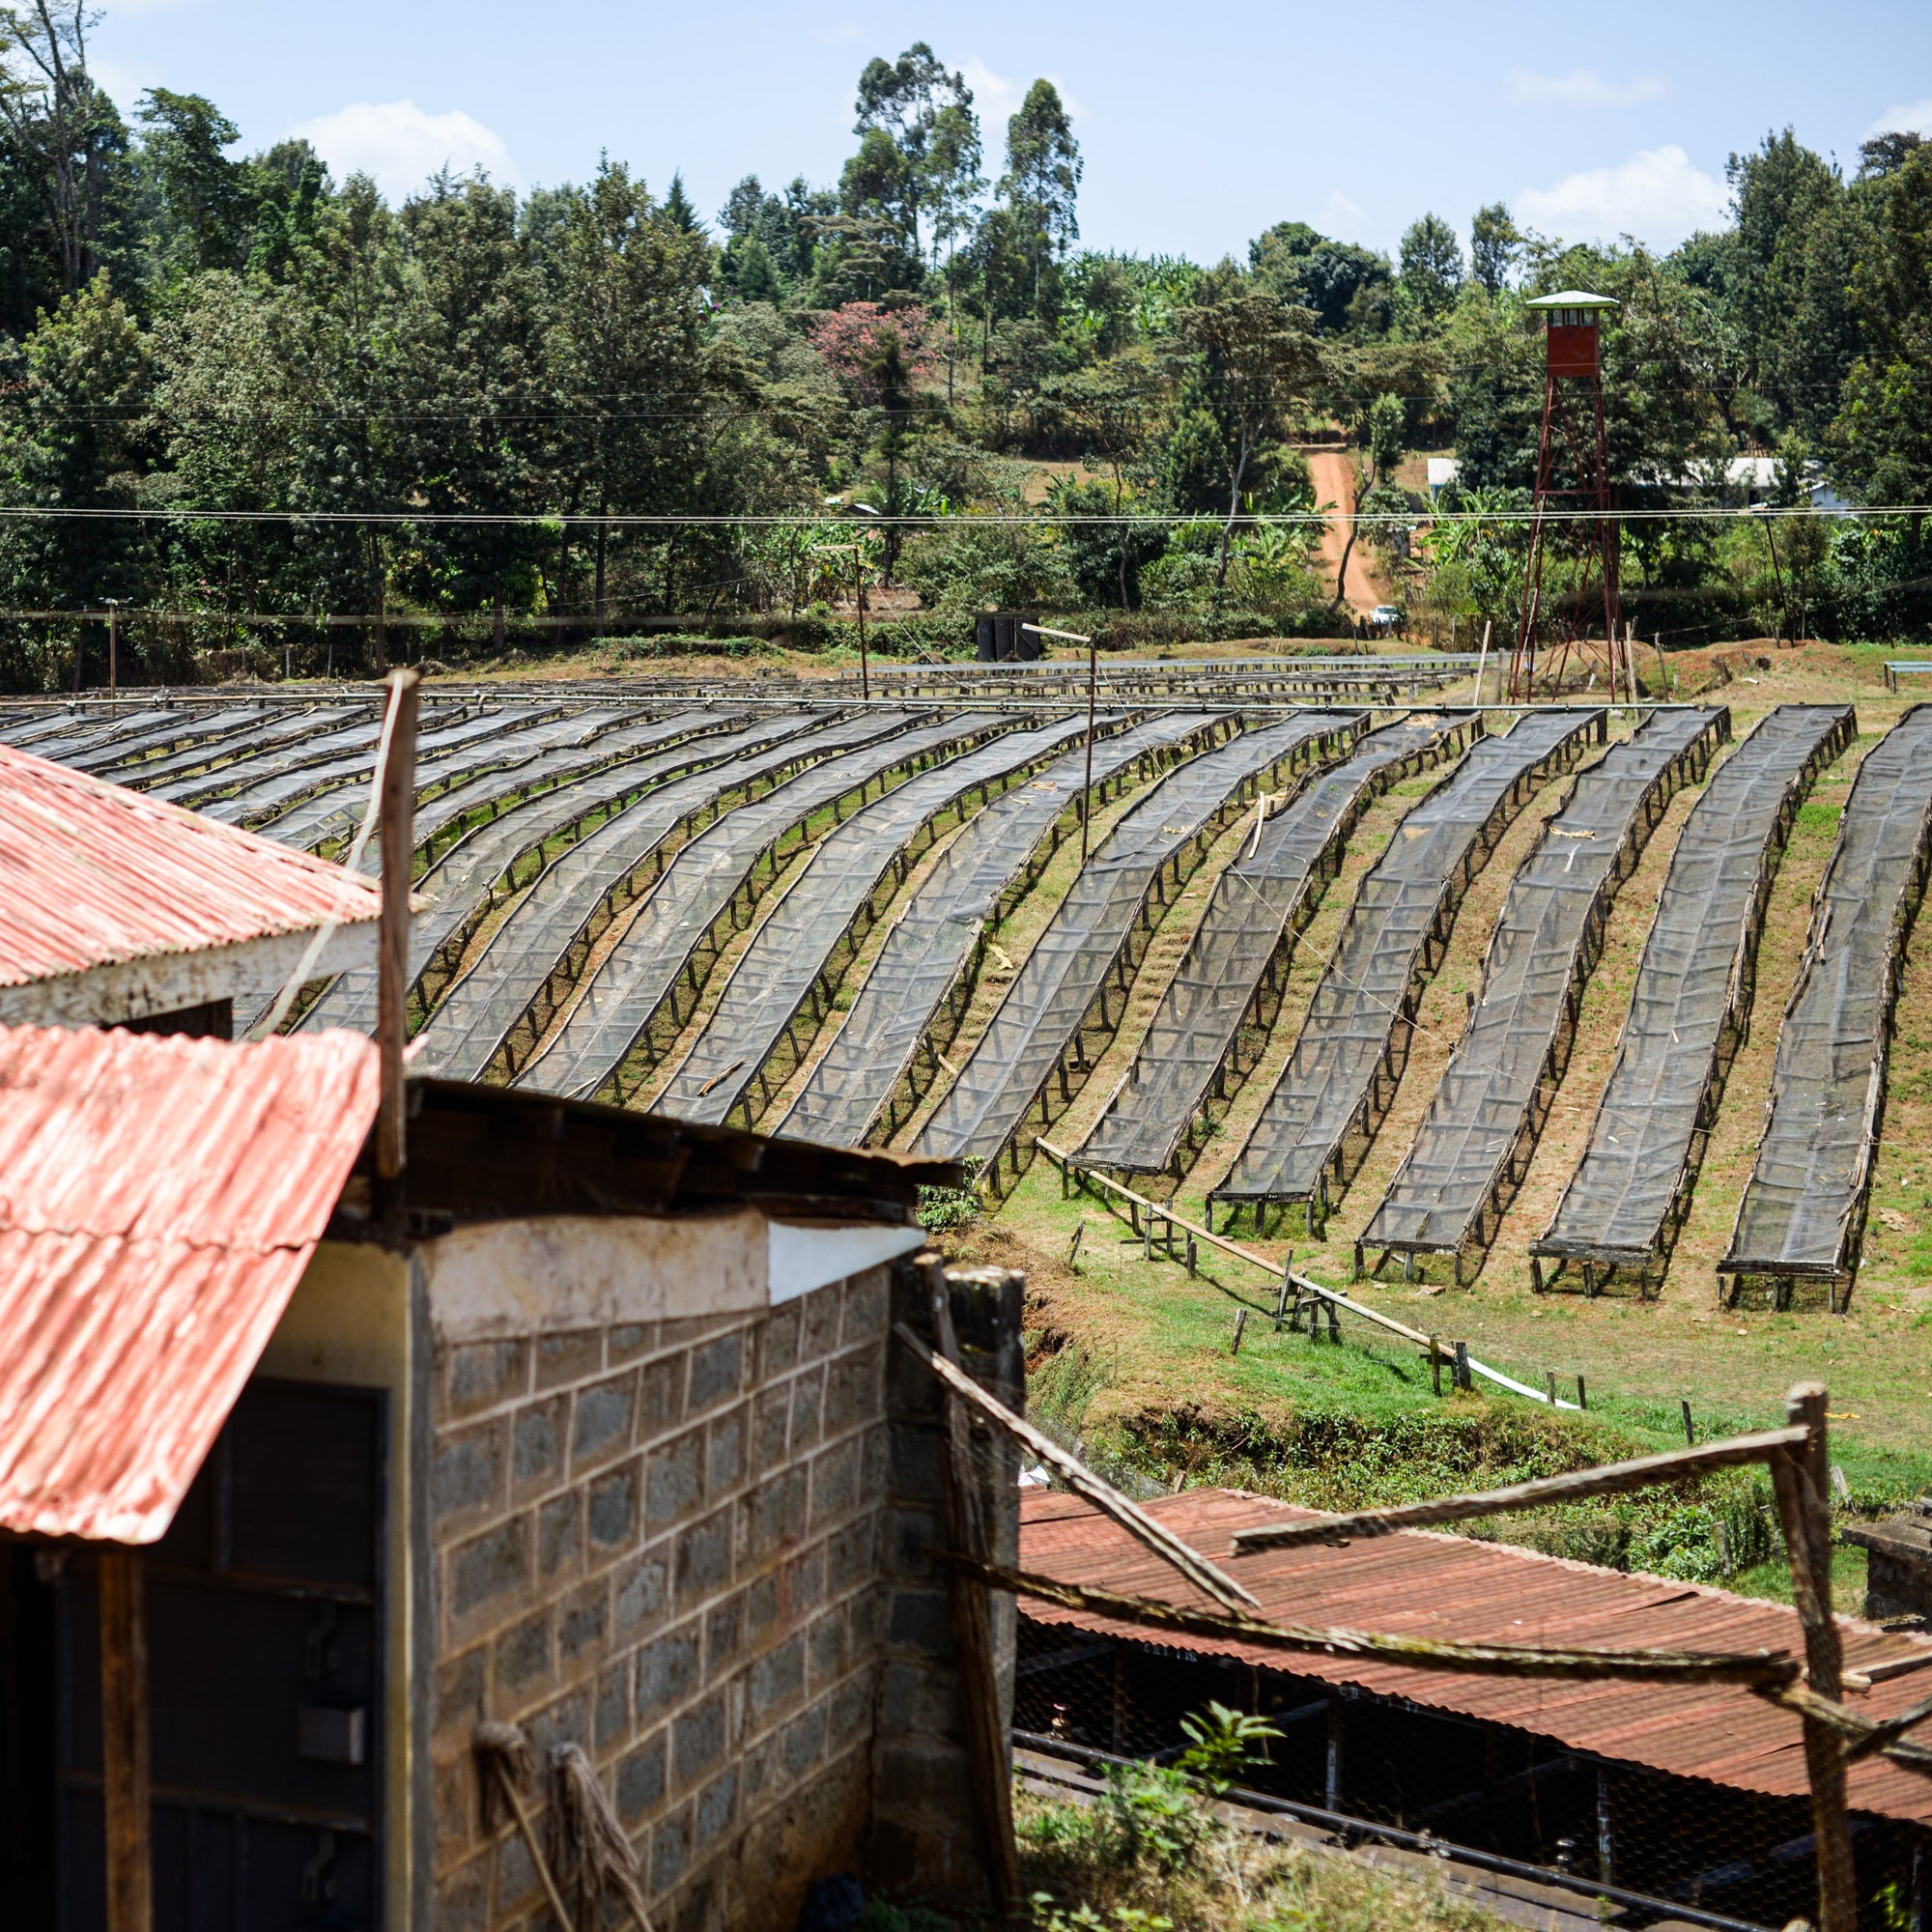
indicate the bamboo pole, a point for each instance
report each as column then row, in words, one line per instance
column 1135, row 1521
column 397, row 829
column 123, row 1737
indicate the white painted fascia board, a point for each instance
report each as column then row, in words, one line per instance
column 805, row 1254
column 250, row 972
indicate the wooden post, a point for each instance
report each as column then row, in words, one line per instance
column 1240, row 1329
column 113, row 657
column 1802, row 1478
column 1087, row 783
column 124, row 1738
column 986, row 1742
column 859, row 590
column 398, row 832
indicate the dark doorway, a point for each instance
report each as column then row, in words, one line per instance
column 263, row 1608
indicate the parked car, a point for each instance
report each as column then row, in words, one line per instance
column 1387, row 620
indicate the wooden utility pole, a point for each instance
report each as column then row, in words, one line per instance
column 123, row 1740
column 1802, row 1478
column 1093, row 692
column 858, row 592
column 113, row 664
column 392, row 985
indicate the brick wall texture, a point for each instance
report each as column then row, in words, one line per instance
column 660, row 1542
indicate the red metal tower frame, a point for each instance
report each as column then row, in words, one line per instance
column 1573, row 509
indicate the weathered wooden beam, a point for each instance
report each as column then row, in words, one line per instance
column 1608, row 1479
column 392, row 975
column 971, row 1616
column 1496, row 1660
column 1801, row 1481
column 123, row 1739
column 1204, row 1575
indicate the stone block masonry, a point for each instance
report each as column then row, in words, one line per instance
column 702, row 1548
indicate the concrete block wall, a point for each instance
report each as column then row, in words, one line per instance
column 660, row 1541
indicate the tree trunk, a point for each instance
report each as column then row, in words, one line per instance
column 1234, row 509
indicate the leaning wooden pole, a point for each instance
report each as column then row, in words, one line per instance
column 971, row 1611
column 124, row 1738
column 1802, row 1478
column 392, row 986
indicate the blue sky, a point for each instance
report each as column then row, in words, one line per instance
column 1200, row 124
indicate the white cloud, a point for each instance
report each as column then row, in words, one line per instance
column 1346, row 220
column 1657, row 195
column 1581, row 87
column 996, row 100
column 1916, row 119
column 402, row 147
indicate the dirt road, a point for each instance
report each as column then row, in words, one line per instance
column 1335, row 483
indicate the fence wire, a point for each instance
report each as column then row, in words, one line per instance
column 1489, row 1787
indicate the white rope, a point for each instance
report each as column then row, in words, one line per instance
column 271, row 1021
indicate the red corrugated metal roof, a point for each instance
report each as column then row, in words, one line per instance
column 160, row 1197
column 1422, row 1583
column 91, row 874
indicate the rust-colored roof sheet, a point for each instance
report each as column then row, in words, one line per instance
column 1425, row 1584
column 160, row 1197
column 91, row 874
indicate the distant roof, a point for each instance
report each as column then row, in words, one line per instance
column 1422, row 1583
column 1572, row 299
column 159, row 1198
column 95, row 877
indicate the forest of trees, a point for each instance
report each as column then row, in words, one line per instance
column 444, row 404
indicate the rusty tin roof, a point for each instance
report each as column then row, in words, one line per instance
column 92, row 875
column 159, row 1198
column 1426, row 1584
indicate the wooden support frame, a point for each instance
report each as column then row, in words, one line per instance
column 123, row 1737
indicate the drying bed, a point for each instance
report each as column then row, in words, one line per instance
column 500, row 857
column 634, row 1006
column 1473, row 1147
column 170, row 776
column 781, row 990
column 332, row 816
column 1327, row 1106
column 1033, row 1054
column 885, row 1056
column 1621, row 1211
column 1213, row 1019
column 1802, row 1214
column 269, row 796
column 533, row 958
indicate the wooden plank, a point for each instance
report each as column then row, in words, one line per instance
column 1767, row 1445
column 123, row 1739
column 1135, row 1521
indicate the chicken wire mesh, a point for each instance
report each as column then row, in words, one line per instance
column 1725, row 1853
